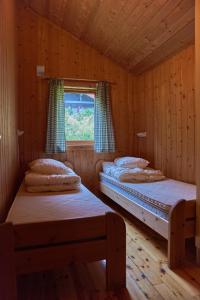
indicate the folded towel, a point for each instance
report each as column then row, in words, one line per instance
column 53, row 188
column 35, row 179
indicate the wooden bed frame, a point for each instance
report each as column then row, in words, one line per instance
column 179, row 226
column 27, row 248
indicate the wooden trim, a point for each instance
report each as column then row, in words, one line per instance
column 76, row 79
column 80, row 89
column 197, row 122
column 80, row 145
column 8, row 289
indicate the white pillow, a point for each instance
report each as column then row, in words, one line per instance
column 131, row 162
column 49, row 166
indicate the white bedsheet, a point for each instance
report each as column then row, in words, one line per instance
column 132, row 174
column 162, row 194
column 38, row 207
column 53, row 188
column 35, row 179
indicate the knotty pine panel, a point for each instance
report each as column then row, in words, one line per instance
column 8, row 112
column 135, row 34
column 164, row 108
column 43, row 43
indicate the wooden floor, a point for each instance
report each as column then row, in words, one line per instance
column 148, row 276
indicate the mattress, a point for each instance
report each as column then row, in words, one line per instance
column 38, row 207
column 160, row 195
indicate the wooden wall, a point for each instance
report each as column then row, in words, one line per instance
column 197, row 111
column 42, row 43
column 136, row 34
column 164, row 108
column 160, row 101
column 8, row 97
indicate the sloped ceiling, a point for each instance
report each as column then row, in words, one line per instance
column 137, row 34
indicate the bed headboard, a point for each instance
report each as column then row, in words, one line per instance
column 98, row 166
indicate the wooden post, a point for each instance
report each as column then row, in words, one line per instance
column 176, row 238
column 8, row 289
column 98, row 169
column 115, row 252
column 197, row 121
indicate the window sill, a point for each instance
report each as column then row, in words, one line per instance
column 80, row 145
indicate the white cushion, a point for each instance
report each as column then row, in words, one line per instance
column 49, row 166
column 35, row 179
column 53, row 188
column 131, row 162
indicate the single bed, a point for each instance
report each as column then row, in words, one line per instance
column 167, row 206
column 53, row 229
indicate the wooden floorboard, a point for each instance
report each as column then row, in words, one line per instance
column 148, row 276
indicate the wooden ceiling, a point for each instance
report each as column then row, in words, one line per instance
column 137, row 34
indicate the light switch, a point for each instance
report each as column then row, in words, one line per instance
column 40, row 70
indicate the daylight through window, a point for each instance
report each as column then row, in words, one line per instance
column 79, row 115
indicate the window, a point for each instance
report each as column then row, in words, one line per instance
column 73, row 118
column 79, row 115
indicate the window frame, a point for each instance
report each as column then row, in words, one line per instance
column 80, row 144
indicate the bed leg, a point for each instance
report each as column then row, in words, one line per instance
column 176, row 236
column 116, row 252
column 8, row 289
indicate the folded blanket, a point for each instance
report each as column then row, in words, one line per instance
column 35, row 179
column 53, row 188
column 132, row 175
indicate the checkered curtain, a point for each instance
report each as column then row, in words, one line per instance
column 103, row 128
column 55, row 141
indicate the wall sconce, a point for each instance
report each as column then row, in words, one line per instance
column 141, row 134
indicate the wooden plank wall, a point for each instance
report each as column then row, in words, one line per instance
column 8, row 113
column 197, row 111
column 164, row 107
column 160, row 101
column 136, row 34
column 43, row 43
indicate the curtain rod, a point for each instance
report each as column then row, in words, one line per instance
column 76, row 79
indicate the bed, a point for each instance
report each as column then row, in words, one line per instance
column 49, row 230
column 167, row 206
